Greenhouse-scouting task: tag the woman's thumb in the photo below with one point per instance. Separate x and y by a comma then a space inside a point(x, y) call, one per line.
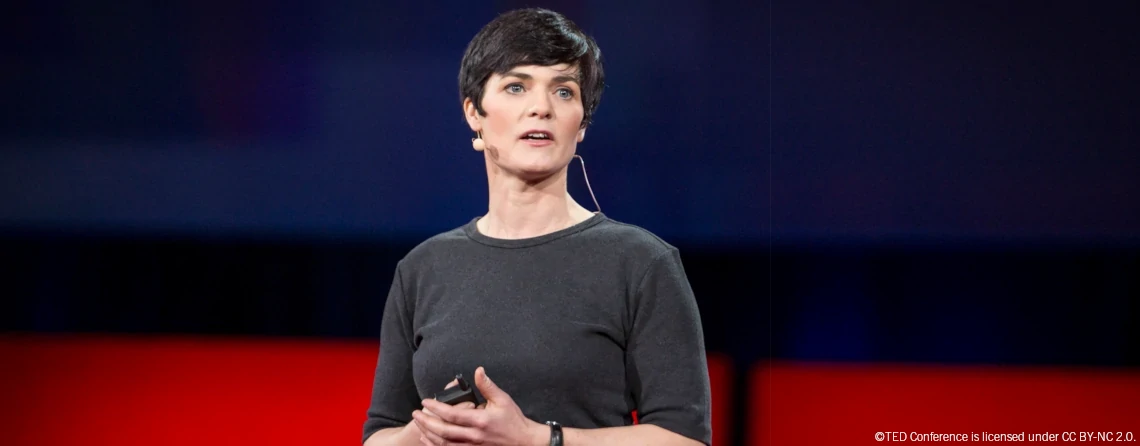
point(487, 387)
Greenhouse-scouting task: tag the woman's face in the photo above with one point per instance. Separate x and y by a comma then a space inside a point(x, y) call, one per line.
point(534, 118)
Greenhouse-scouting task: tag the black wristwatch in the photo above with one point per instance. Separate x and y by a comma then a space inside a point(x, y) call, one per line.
point(555, 433)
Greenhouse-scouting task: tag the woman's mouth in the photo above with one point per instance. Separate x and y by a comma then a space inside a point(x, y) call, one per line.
point(537, 138)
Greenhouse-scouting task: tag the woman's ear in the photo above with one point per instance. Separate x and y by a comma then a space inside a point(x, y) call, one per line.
point(472, 115)
point(581, 134)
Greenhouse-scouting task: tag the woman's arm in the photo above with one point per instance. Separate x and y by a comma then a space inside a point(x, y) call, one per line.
point(395, 436)
point(501, 425)
point(501, 422)
point(394, 394)
point(666, 352)
point(641, 434)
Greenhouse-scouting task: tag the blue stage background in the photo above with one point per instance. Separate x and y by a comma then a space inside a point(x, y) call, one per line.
point(721, 123)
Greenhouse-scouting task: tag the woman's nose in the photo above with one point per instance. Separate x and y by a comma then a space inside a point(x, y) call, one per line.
point(541, 108)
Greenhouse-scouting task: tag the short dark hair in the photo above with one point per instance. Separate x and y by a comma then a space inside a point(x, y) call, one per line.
point(532, 36)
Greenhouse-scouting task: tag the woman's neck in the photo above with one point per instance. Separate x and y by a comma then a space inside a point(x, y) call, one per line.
point(520, 209)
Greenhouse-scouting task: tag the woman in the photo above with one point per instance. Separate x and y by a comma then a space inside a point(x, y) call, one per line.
point(579, 319)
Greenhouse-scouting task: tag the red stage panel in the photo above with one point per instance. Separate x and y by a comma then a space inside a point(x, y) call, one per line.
point(126, 391)
point(104, 391)
point(720, 380)
point(817, 404)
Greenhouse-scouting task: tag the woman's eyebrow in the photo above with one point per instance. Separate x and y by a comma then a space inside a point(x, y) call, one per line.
point(557, 79)
point(566, 78)
point(523, 76)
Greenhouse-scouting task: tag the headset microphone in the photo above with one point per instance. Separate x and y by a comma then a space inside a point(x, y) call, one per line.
point(479, 145)
point(588, 182)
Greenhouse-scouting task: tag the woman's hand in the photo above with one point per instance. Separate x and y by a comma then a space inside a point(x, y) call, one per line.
point(499, 422)
point(412, 430)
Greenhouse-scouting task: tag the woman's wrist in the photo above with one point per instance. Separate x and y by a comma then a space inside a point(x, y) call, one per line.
point(409, 435)
point(395, 436)
point(540, 434)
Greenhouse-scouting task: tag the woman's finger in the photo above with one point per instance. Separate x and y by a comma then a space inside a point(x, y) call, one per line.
point(427, 425)
point(461, 414)
point(430, 438)
point(438, 430)
point(440, 433)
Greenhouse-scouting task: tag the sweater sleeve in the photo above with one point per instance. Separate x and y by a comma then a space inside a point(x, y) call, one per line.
point(394, 394)
point(666, 353)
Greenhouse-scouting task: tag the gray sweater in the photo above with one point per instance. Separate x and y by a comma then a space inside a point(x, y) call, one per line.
point(581, 326)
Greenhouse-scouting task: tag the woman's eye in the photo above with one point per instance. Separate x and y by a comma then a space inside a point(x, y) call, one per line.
point(565, 93)
point(515, 88)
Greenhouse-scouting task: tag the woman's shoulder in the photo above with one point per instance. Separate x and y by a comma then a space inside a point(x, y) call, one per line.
point(442, 242)
point(629, 237)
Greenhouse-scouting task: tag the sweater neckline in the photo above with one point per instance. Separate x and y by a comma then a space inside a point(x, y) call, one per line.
point(472, 232)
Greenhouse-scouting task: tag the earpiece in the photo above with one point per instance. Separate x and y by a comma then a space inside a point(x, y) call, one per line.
point(477, 143)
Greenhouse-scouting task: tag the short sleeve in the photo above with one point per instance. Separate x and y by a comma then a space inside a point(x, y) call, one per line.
point(666, 353)
point(394, 394)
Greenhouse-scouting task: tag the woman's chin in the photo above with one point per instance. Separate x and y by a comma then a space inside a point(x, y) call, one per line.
point(536, 171)
point(537, 168)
